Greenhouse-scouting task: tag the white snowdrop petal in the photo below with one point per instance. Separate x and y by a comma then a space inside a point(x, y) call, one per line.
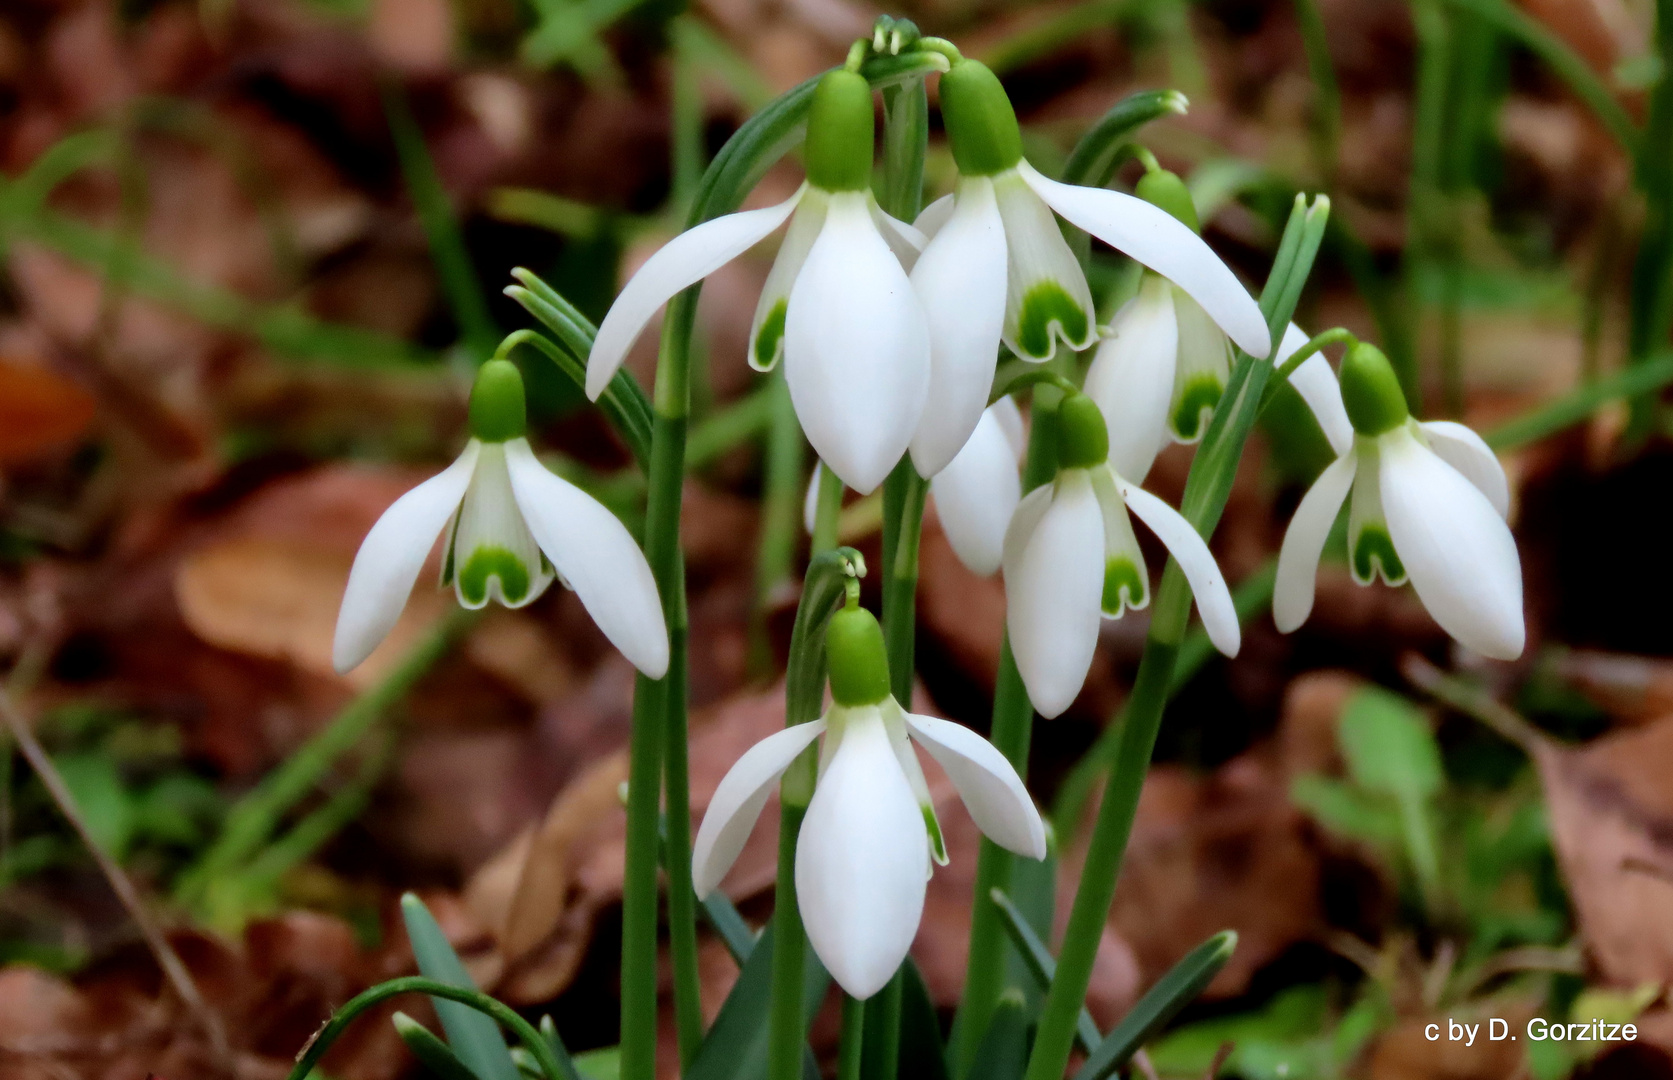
point(1464, 450)
point(1154, 237)
point(862, 862)
point(960, 280)
point(976, 495)
point(596, 555)
point(1214, 600)
point(390, 557)
point(1316, 383)
point(932, 217)
point(856, 348)
point(1047, 300)
point(1053, 594)
point(738, 801)
point(493, 555)
point(685, 260)
point(1457, 550)
point(904, 240)
point(1200, 376)
point(1132, 375)
point(987, 783)
point(1298, 558)
point(1005, 411)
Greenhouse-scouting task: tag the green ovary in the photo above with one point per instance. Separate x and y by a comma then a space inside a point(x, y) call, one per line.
point(1044, 304)
point(772, 332)
point(490, 562)
point(1195, 402)
point(1374, 551)
point(1124, 586)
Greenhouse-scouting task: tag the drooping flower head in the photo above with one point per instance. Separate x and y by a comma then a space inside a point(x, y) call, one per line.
point(837, 305)
point(1428, 503)
point(997, 267)
point(511, 527)
point(870, 833)
point(1071, 559)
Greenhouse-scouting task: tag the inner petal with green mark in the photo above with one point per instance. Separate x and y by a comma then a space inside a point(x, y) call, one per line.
point(765, 351)
point(491, 554)
point(1373, 556)
point(1124, 586)
point(503, 567)
point(1047, 308)
point(937, 845)
point(1194, 401)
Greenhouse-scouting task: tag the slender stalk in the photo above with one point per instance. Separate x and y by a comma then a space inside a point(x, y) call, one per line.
point(852, 1047)
point(1206, 490)
point(903, 519)
point(1424, 197)
point(1327, 97)
point(682, 900)
point(780, 514)
point(828, 513)
point(1011, 732)
point(784, 1034)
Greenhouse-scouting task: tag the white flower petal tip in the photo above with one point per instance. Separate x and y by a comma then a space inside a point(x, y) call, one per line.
point(1208, 585)
point(1458, 552)
point(862, 861)
point(1464, 450)
point(390, 558)
point(1154, 237)
point(977, 493)
point(596, 556)
point(738, 801)
point(857, 353)
point(1316, 383)
point(1132, 377)
point(987, 784)
point(960, 281)
point(1298, 558)
point(685, 260)
point(1054, 573)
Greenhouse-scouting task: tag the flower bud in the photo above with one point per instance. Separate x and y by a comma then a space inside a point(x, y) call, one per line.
point(841, 125)
point(1159, 187)
point(1082, 439)
point(981, 125)
point(858, 663)
point(497, 411)
point(1371, 391)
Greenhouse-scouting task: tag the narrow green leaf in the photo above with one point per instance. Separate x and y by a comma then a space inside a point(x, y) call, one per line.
point(735, 1048)
point(431, 1051)
point(475, 1038)
point(1003, 1050)
point(922, 1055)
point(1175, 990)
point(1388, 746)
point(1041, 964)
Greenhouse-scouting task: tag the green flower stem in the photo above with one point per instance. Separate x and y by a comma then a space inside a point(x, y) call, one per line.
point(1206, 491)
point(852, 1047)
point(1336, 336)
point(1011, 732)
point(903, 517)
point(784, 1036)
point(781, 515)
point(1327, 97)
point(828, 513)
point(552, 1066)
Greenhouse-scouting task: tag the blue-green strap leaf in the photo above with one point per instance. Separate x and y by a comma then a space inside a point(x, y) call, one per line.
point(473, 1037)
point(1175, 990)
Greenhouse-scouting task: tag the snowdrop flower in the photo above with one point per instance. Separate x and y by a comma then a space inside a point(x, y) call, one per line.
point(865, 847)
point(511, 527)
point(1428, 502)
point(837, 304)
point(1071, 558)
point(998, 268)
point(978, 491)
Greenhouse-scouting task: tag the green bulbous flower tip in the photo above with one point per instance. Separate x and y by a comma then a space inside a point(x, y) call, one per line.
point(841, 126)
point(1371, 390)
point(1082, 438)
point(497, 410)
point(981, 125)
point(856, 659)
point(1162, 188)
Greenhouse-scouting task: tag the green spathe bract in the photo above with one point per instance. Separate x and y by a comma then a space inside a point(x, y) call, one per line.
point(1082, 439)
point(981, 125)
point(1166, 190)
point(497, 411)
point(1044, 304)
point(1371, 390)
point(841, 126)
point(856, 658)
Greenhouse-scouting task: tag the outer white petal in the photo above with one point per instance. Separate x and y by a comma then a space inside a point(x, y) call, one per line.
point(596, 555)
point(933, 216)
point(1298, 558)
point(856, 348)
point(1024, 520)
point(1457, 550)
point(1214, 600)
point(976, 495)
point(688, 258)
point(960, 280)
point(1131, 377)
point(1464, 450)
point(770, 309)
point(810, 501)
point(1053, 594)
point(738, 801)
point(990, 787)
point(1316, 384)
point(1005, 411)
point(862, 862)
point(904, 240)
point(390, 557)
point(1162, 242)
